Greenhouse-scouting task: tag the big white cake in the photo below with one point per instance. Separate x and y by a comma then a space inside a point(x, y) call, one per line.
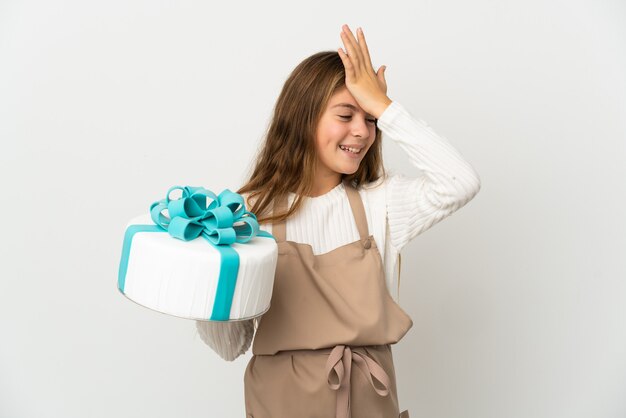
point(196, 277)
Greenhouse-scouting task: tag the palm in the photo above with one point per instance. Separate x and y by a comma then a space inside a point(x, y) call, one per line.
point(364, 84)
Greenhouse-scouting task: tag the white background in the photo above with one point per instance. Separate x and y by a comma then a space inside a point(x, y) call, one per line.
point(518, 299)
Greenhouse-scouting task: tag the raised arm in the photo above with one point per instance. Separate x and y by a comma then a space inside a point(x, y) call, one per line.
point(448, 181)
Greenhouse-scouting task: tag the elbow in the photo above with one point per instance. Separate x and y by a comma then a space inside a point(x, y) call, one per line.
point(475, 184)
point(467, 189)
point(471, 181)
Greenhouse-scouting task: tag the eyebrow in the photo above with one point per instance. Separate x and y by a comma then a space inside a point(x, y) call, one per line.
point(349, 106)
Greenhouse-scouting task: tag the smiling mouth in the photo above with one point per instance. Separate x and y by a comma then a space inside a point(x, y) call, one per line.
point(351, 150)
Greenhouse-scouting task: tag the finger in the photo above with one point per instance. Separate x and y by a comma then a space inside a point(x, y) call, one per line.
point(347, 64)
point(364, 49)
point(381, 77)
point(357, 47)
point(349, 49)
point(351, 45)
point(380, 72)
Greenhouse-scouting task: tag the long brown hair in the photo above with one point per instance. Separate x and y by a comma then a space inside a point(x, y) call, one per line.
point(286, 160)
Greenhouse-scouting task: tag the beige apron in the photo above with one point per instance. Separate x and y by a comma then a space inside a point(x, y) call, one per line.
point(327, 312)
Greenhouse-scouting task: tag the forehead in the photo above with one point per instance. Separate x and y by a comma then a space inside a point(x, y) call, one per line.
point(343, 96)
point(343, 100)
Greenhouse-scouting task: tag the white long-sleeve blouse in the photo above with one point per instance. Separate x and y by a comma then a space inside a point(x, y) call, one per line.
point(398, 208)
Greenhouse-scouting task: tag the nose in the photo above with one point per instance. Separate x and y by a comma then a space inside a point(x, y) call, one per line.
point(360, 128)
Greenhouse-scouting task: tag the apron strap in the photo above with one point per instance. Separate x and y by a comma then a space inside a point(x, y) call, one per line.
point(358, 210)
point(356, 204)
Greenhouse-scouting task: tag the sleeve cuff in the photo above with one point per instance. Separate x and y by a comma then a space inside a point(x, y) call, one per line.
point(389, 115)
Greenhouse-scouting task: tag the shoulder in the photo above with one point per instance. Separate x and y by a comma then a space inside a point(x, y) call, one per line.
point(378, 189)
point(386, 192)
point(380, 182)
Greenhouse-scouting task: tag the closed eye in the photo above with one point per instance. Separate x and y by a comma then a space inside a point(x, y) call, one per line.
point(348, 117)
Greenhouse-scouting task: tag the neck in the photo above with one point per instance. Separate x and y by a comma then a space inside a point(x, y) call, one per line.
point(325, 184)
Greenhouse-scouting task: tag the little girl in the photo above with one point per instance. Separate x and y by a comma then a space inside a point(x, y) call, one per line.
point(340, 222)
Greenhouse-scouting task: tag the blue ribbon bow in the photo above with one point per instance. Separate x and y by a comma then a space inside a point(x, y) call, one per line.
point(191, 216)
point(222, 221)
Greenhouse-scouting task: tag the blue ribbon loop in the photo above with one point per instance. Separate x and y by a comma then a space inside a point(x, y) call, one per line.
point(220, 219)
point(200, 212)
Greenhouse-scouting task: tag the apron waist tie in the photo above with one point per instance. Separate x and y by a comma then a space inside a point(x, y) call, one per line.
point(339, 363)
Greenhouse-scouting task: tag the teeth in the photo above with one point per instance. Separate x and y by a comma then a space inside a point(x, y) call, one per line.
point(353, 150)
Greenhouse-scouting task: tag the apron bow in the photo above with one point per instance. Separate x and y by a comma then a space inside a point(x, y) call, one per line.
point(339, 364)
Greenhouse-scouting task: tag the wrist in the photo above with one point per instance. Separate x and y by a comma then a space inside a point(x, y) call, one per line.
point(379, 107)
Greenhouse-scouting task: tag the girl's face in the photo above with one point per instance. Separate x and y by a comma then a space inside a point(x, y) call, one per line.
point(343, 124)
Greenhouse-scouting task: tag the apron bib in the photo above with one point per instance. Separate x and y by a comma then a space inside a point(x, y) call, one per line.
point(329, 315)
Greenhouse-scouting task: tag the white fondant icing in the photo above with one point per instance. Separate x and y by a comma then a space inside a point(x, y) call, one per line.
point(180, 277)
